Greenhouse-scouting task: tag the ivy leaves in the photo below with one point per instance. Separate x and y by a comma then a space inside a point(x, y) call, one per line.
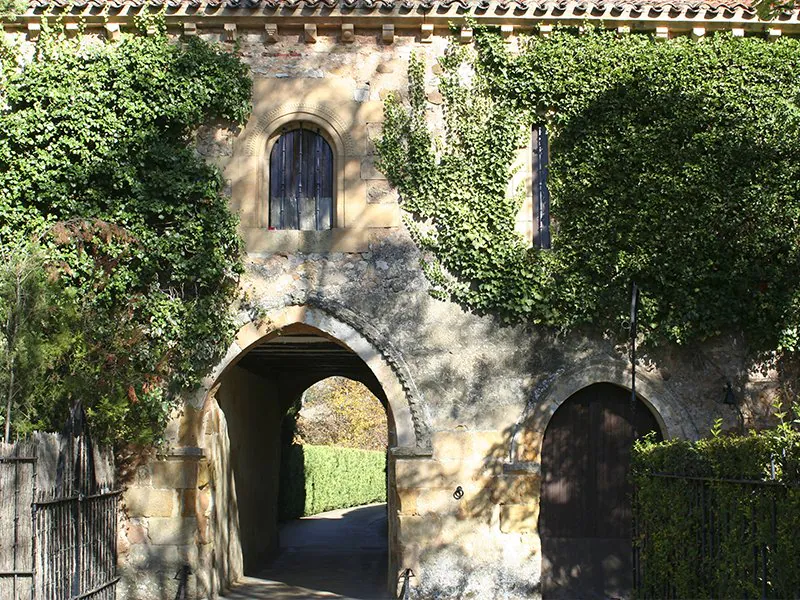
point(95, 151)
point(674, 164)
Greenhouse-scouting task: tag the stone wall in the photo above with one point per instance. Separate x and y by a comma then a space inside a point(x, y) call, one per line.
point(164, 524)
point(469, 397)
point(479, 393)
point(487, 393)
point(253, 414)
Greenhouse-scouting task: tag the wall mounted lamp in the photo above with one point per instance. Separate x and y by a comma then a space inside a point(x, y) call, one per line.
point(729, 397)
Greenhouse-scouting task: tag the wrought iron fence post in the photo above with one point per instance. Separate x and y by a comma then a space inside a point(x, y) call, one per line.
point(406, 589)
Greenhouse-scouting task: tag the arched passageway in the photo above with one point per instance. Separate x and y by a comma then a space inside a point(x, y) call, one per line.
point(585, 516)
point(254, 396)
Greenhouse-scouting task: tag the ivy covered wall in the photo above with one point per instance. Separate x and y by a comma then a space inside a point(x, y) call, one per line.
point(138, 253)
point(672, 163)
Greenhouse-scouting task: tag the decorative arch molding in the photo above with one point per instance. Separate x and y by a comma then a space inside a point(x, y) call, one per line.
point(354, 331)
point(326, 117)
point(672, 417)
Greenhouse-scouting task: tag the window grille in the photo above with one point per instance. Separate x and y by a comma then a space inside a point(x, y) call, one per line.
point(301, 181)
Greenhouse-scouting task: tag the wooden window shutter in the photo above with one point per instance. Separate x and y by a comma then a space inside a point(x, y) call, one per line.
point(301, 182)
point(541, 195)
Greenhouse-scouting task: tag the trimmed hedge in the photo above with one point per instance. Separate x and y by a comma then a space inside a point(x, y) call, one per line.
point(724, 522)
point(319, 478)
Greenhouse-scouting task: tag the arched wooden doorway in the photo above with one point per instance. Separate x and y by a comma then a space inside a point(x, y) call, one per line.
point(585, 516)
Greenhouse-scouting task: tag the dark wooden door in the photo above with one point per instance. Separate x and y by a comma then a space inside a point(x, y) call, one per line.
point(585, 516)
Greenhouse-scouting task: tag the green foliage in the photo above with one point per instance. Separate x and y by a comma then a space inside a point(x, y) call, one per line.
point(34, 333)
point(10, 9)
point(673, 164)
point(341, 412)
point(315, 479)
point(675, 515)
point(95, 151)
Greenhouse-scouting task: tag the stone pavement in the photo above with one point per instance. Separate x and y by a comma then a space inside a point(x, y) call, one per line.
point(339, 554)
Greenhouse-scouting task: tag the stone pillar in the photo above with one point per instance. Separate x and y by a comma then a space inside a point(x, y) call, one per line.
point(164, 525)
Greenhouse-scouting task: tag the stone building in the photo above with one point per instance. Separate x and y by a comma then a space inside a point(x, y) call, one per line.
point(339, 290)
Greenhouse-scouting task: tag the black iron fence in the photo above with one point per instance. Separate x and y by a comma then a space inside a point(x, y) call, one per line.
point(698, 537)
point(58, 517)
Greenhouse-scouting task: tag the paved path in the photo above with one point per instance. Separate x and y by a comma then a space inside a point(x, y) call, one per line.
point(339, 554)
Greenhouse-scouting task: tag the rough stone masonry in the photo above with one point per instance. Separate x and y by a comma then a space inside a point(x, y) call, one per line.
point(468, 399)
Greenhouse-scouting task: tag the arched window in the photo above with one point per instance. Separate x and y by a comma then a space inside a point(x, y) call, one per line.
point(301, 181)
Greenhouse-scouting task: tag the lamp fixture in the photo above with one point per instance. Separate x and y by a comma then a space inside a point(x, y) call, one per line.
point(729, 398)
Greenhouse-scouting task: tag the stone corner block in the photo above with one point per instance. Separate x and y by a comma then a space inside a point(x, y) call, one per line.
point(147, 502)
point(424, 529)
point(419, 473)
point(180, 473)
point(173, 531)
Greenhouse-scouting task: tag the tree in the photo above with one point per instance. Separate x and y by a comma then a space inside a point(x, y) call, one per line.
point(34, 326)
point(341, 412)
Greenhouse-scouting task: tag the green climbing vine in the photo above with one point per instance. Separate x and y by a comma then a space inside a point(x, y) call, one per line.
point(128, 301)
point(675, 164)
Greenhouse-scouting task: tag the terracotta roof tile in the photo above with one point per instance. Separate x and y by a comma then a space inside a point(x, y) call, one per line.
point(553, 8)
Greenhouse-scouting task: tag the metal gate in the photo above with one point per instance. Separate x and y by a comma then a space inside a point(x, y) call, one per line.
point(17, 490)
point(59, 535)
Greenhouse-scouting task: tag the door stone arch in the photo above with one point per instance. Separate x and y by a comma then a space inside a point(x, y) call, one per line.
point(673, 419)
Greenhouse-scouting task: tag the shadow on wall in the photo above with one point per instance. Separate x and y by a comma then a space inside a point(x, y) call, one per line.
point(486, 542)
point(462, 536)
point(152, 569)
point(247, 509)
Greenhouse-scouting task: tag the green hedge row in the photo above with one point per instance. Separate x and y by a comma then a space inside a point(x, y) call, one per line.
point(718, 518)
point(319, 478)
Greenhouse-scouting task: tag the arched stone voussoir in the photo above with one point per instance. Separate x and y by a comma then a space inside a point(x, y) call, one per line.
point(672, 417)
point(405, 403)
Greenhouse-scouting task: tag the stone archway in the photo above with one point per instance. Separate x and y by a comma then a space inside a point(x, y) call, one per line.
point(355, 332)
point(244, 431)
point(673, 419)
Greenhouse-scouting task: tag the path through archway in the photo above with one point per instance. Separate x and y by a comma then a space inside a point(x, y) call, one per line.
point(254, 396)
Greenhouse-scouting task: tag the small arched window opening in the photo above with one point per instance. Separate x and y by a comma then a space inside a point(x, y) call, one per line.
point(301, 181)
